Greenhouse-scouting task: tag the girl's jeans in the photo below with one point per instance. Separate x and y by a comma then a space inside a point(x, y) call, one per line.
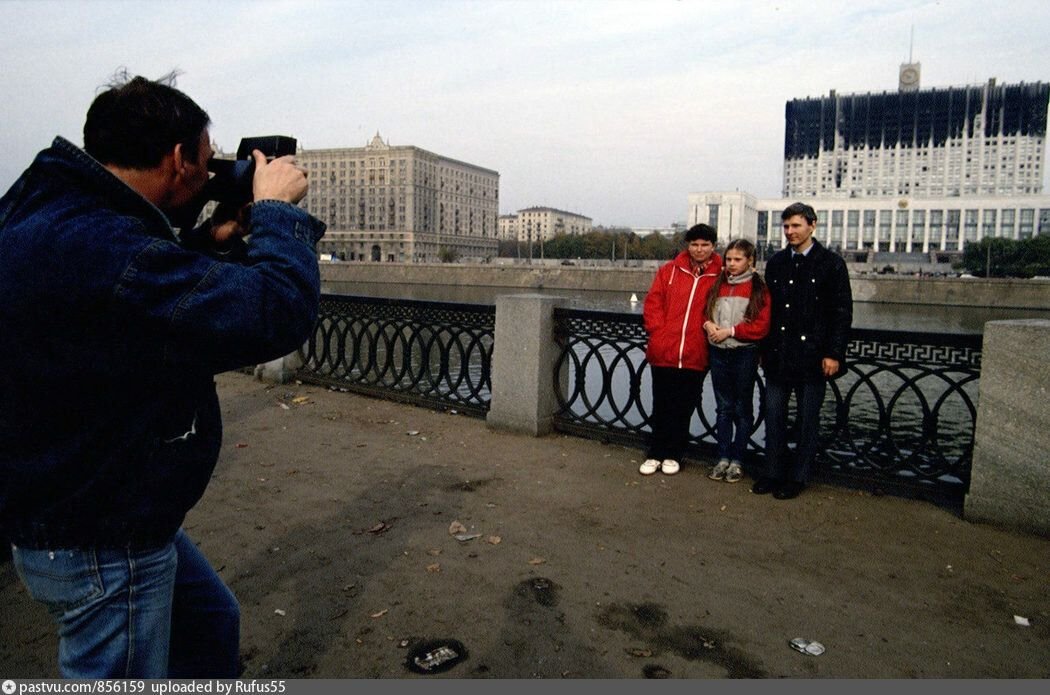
point(733, 379)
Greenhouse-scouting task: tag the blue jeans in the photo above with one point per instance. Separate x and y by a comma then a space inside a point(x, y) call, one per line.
point(733, 372)
point(809, 396)
point(158, 613)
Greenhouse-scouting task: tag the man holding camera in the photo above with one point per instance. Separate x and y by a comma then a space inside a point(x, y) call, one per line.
point(113, 330)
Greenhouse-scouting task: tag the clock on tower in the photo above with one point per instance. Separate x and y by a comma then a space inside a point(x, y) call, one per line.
point(909, 77)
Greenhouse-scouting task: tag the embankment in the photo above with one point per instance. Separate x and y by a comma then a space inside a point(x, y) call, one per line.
point(880, 289)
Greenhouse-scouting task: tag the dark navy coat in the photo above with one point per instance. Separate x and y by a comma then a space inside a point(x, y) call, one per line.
point(812, 311)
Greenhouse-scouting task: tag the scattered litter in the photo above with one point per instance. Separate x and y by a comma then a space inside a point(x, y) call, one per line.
point(453, 412)
point(242, 445)
point(805, 646)
point(284, 406)
point(537, 561)
point(412, 433)
point(436, 656)
point(464, 537)
point(436, 567)
point(380, 614)
point(1023, 622)
point(280, 612)
point(494, 540)
point(456, 527)
point(381, 527)
point(722, 508)
point(300, 400)
point(403, 643)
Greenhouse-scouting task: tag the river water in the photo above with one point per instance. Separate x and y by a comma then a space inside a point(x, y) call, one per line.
point(929, 318)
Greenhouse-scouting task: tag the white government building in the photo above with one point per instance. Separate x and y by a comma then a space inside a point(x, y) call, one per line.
point(912, 171)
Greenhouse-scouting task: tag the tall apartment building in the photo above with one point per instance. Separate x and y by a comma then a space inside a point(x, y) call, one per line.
point(984, 140)
point(536, 223)
point(401, 204)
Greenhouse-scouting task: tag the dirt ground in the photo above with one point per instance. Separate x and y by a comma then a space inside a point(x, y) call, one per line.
point(329, 516)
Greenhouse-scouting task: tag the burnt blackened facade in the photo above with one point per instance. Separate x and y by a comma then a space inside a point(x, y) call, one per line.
point(958, 141)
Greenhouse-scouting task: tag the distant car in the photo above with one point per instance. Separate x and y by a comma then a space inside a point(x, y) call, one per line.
point(567, 262)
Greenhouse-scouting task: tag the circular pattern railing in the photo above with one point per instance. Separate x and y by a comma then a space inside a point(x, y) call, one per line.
point(432, 353)
point(901, 419)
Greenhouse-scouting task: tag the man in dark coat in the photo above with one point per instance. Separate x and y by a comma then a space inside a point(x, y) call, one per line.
point(812, 311)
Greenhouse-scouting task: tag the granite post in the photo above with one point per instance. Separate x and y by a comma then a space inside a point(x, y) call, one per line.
point(524, 355)
point(1010, 478)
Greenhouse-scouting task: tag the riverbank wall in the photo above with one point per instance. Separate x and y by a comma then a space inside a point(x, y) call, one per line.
point(880, 289)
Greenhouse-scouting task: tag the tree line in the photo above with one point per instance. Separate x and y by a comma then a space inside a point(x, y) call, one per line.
point(611, 243)
point(1023, 258)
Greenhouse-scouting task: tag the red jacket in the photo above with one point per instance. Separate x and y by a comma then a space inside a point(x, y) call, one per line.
point(674, 314)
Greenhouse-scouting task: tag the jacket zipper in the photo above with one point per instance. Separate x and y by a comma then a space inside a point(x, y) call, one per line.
point(685, 319)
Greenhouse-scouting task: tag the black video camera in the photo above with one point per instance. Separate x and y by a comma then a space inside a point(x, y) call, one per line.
point(231, 181)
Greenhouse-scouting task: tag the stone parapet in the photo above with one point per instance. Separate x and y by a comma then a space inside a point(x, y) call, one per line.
point(1010, 478)
point(523, 398)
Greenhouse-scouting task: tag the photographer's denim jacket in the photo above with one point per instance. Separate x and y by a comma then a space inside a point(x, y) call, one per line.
point(111, 332)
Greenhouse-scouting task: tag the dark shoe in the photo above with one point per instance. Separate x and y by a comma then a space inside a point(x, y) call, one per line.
point(788, 490)
point(764, 486)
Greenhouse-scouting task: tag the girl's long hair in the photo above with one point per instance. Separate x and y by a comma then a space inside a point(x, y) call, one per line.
point(758, 285)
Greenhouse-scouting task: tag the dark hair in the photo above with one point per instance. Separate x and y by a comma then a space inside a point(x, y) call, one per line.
point(806, 211)
point(701, 231)
point(135, 122)
point(758, 285)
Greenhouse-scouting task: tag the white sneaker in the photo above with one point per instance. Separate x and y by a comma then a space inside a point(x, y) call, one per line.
point(734, 473)
point(719, 473)
point(669, 467)
point(649, 467)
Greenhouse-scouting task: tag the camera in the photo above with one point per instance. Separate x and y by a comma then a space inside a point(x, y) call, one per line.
point(232, 178)
point(231, 183)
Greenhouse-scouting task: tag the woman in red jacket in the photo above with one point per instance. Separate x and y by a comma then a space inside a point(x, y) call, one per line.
point(677, 349)
point(737, 313)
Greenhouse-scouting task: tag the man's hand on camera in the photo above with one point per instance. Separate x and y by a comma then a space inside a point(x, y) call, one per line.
point(281, 179)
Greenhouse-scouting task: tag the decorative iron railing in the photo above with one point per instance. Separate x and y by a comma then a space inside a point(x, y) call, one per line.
point(901, 419)
point(430, 353)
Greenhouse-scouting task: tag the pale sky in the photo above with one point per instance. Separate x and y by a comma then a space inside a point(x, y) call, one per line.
point(615, 110)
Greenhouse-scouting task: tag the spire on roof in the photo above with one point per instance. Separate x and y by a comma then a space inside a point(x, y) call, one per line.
point(377, 143)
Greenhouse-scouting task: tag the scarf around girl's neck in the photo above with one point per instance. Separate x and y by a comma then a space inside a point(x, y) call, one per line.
point(741, 278)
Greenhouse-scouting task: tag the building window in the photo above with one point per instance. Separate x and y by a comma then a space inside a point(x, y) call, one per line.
point(1044, 222)
point(988, 223)
point(970, 225)
point(1007, 228)
point(1027, 223)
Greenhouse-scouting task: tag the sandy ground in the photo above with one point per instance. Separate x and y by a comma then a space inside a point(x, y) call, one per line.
point(330, 521)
